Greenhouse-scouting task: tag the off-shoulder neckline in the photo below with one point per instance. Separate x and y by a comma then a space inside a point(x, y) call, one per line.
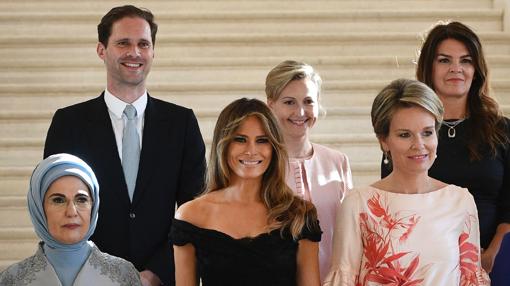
point(218, 232)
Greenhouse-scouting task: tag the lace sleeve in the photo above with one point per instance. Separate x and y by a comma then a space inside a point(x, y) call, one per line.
point(311, 230)
point(183, 233)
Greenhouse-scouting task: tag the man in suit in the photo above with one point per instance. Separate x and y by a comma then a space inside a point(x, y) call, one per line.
point(145, 162)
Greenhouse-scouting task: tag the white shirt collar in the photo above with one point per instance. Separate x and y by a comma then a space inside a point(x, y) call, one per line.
point(117, 106)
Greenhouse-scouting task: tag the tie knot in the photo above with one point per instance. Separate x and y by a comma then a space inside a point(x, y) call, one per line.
point(130, 111)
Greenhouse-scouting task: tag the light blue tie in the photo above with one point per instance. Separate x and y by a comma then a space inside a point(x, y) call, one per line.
point(130, 149)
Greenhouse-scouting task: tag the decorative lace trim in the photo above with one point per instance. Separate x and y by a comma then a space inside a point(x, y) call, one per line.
point(117, 269)
point(23, 273)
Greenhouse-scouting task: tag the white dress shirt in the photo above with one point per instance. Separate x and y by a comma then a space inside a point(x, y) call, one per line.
point(116, 109)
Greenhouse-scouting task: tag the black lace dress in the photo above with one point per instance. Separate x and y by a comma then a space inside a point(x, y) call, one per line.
point(267, 259)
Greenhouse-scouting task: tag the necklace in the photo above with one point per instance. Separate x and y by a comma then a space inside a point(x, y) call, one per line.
point(451, 126)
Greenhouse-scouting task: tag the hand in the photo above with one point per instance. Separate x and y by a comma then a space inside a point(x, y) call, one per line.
point(149, 278)
point(488, 257)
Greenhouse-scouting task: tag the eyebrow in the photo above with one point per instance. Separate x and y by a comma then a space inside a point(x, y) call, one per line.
point(62, 195)
point(132, 40)
point(448, 56)
point(246, 136)
point(57, 195)
point(426, 127)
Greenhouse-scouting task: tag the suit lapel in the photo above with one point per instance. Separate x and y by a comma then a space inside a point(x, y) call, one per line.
point(104, 146)
point(153, 124)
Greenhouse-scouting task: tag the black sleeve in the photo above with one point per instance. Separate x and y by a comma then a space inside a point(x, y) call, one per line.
point(59, 137)
point(160, 262)
point(183, 233)
point(191, 181)
point(504, 193)
point(312, 230)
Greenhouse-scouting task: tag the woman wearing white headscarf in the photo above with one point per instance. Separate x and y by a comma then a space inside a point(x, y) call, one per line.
point(63, 201)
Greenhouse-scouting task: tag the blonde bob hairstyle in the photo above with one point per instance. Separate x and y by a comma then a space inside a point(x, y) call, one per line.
point(280, 76)
point(285, 210)
point(403, 93)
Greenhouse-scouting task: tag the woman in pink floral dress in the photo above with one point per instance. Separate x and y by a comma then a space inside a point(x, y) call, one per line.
point(408, 228)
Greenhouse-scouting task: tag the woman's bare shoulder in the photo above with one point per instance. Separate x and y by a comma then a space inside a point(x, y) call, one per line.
point(197, 211)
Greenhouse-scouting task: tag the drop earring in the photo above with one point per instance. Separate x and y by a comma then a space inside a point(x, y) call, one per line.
point(385, 160)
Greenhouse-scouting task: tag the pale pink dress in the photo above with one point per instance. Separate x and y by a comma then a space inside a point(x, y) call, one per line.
point(385, 238)
point(323, 178)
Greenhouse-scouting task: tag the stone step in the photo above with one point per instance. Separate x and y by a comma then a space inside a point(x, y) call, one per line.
point(18, 101)
point(14, 217)
point(162, 75)
point(14, 183)
point(67, 24)
point(338, 121)
point(93, 73)
point(25, 152)
point(289, 45)
point(16, 243)
point(161, 6)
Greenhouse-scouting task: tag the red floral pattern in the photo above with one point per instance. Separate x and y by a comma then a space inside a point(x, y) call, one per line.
point(383, 262)
point(383, 231)
point(470, 272)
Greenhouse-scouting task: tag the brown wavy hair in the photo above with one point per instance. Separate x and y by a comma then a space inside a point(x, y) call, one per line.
point(285, 210)
point(488, 124)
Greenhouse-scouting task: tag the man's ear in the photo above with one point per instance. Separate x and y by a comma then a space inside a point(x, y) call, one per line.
point(101, 50)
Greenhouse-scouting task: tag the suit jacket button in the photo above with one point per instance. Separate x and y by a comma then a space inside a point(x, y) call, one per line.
point(132, 215)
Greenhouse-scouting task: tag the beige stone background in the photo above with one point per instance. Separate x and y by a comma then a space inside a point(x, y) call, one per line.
point(209, 53)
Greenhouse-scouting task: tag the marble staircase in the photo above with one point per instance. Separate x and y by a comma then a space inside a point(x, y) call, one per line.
point(209, 53)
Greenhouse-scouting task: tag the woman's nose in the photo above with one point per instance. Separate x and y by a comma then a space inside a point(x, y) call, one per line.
point(251, 148)
point(71, 209)
point(418, 142)
point(300, 110)
point(455, 67)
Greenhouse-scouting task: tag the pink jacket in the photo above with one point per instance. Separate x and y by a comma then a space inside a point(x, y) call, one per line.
point(328, 176)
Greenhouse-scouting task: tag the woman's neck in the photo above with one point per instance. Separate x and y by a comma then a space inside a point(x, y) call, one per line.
point(243, 190)
point(298, 147)
point(398, 182)
point(454, 107)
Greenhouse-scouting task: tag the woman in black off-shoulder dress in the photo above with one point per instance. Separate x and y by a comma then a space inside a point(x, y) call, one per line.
point(248, 228)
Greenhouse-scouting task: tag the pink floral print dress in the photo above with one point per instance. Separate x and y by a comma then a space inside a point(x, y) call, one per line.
point(385, 238)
